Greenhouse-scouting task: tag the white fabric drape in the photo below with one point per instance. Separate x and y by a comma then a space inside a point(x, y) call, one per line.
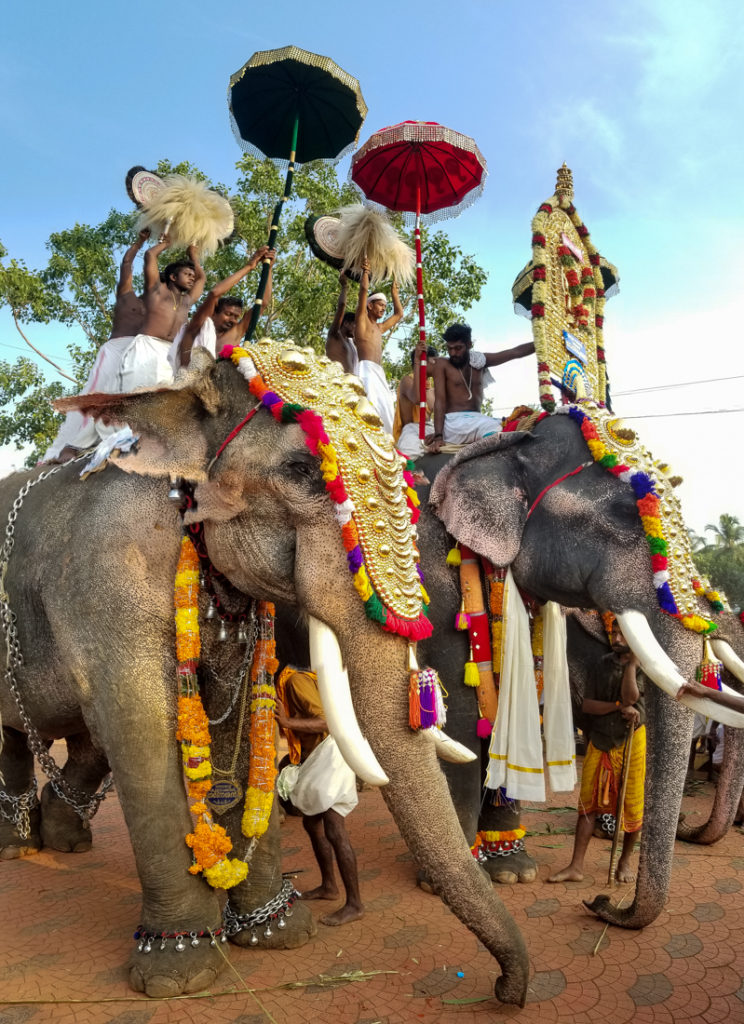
point(515, 754)
point(560, 747)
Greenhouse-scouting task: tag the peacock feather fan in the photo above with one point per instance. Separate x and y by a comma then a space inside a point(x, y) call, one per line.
point(366, 233)
point(190, 213)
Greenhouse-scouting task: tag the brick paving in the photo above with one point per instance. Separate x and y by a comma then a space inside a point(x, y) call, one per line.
point(68, 918)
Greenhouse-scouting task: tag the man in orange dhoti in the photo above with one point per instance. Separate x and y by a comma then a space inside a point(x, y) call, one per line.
point(614, 700)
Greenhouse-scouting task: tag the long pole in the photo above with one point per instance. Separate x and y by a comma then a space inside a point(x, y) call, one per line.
point(422, 319)
point(625, 771)
point(258, 304)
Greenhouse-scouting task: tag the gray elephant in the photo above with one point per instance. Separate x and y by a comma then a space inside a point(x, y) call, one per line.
point(583, 546)
point(89, 584)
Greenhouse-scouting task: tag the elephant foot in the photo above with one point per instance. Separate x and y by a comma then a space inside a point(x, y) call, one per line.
point(174, 972)
point(516, 867)
point(13, 845)
point(62, 828)
point(298, 929)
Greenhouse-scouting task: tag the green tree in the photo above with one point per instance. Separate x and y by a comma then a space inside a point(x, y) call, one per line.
point(728, 533)
point(725, 569)
point(77, 286)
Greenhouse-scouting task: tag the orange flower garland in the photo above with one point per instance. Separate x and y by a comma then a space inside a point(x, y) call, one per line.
point(259, 797)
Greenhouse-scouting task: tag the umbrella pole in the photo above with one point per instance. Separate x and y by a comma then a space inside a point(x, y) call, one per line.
point(422, 319)
point(258, 304)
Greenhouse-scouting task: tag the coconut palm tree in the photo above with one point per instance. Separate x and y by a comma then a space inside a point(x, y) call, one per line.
point(697, 543)
point(728, 533)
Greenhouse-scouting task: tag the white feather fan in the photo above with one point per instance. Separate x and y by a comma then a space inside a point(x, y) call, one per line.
point(364, 232)
point(190, 213)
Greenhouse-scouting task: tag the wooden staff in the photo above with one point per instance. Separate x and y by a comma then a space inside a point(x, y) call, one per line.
point(627, 750)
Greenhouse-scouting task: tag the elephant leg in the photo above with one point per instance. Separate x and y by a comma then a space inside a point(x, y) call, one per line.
point(503, 853)
point(146, 762)
point(62, 828)
point(669, 729)
point(728, 793)
point(19, 820)
point(293, 924)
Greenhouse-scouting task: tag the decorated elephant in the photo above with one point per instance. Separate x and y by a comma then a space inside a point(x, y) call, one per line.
point(88, 571)
point(571, 533)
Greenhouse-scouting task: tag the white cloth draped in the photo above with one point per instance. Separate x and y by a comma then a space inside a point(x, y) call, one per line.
point(144, 363)
point(81, 431)
point(206, 338)
point(560, 746)
point(459, 428)
point(323, 782)
point(375, 383)
point(515, 758)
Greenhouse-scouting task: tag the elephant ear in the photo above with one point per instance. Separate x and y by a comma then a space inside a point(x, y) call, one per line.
point(481, 498)
point(168, 419)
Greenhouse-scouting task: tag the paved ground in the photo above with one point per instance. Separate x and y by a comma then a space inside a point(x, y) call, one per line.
point(67, 922)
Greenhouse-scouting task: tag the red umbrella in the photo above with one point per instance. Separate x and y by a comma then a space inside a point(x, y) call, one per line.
point(427, 171)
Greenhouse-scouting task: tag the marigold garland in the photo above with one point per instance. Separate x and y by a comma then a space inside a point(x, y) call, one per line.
point(209, 842)
point(319, 444)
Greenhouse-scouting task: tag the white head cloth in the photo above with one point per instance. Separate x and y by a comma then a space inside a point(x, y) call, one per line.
point(376, 296)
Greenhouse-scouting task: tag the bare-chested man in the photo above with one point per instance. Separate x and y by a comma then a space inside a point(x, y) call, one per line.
point(408, 405)
point(79, 432)
point(368, 339)
point(458, 389)
point(340, 338)
point(220, 319)
point(168, 299)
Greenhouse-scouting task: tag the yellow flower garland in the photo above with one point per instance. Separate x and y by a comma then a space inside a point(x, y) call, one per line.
point(208, 841)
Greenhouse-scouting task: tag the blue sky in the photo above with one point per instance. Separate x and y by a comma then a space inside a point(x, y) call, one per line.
point(643, 101)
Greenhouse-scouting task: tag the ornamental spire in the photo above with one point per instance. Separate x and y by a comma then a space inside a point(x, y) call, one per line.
point(564, 183)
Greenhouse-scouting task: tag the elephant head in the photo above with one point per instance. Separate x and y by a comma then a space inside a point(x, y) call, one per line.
point(272, 529)
point(571, 533)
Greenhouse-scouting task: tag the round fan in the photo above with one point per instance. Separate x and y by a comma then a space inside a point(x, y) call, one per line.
point(142, 185)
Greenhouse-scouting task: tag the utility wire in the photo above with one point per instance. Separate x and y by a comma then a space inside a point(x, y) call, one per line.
point(680, 384)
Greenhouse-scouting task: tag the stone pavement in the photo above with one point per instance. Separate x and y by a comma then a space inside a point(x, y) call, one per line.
point(67, 920)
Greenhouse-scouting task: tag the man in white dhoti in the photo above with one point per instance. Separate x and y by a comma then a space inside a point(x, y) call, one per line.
point(168, 299)
point(79, 432)
point(368, 334)
point(220, 319)
point(340, 345)
point(322, 788)
point(458, 392)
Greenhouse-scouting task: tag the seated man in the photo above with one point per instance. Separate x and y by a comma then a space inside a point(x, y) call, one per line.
point(220, 320)
point(408, 405)
point(458, 390)
point(79, 432)
point(368, 339)
point(340, 338)
point(168, 299)
point(323, 789)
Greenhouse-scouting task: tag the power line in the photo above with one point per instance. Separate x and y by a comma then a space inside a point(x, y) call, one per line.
point(680, 384)
point(666, 415)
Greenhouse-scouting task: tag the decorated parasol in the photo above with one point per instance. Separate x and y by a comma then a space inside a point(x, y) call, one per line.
point(292, 107)
point(426, 172)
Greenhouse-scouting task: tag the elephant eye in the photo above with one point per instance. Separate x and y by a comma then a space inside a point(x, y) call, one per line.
point(303, 468)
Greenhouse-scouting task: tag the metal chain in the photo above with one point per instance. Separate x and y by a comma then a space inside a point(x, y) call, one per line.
point(20, 816)
point(241, 677)
point(81, 802)
point(277, 908)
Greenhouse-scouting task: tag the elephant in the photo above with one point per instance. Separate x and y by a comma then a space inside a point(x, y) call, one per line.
point(88, 607)
point(582, 546)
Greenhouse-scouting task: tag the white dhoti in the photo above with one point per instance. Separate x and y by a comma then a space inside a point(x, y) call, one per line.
point(324, 782)
point(144, 363)
point(206, 338)
point(79, 431)
point(459, 428)
point(375, 383)
point(558, 728)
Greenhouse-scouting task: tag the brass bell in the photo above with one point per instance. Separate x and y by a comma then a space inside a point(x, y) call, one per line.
point(242, 633)
point(211, 612)
point(175, 494)
point(223, 635)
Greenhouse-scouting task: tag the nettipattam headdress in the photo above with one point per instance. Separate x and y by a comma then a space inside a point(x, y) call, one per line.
point(363, 473)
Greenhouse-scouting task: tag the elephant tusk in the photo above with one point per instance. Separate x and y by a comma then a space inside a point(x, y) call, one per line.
point(725, 653)
point(659, 667)
point(335, 696)
point(448, 749)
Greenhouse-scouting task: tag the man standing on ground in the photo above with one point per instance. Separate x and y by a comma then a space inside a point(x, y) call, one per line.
point(458, 389)
point(340, 345)
point(168, 299)
point(79, 432)
point(323, 789)
point(368, 334)
point(614, 702)
point(220, 320)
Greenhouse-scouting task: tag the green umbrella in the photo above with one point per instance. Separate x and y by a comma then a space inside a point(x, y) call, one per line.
point(293, 106)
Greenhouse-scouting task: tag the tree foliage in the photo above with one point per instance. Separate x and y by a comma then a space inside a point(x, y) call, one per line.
point(77, 286)
point(723, 561)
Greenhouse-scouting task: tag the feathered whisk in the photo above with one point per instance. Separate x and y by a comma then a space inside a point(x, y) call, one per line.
point(366, 233)
point(190, 213)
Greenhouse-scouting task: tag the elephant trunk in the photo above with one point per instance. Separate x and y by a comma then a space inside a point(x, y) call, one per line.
point(728, 794)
